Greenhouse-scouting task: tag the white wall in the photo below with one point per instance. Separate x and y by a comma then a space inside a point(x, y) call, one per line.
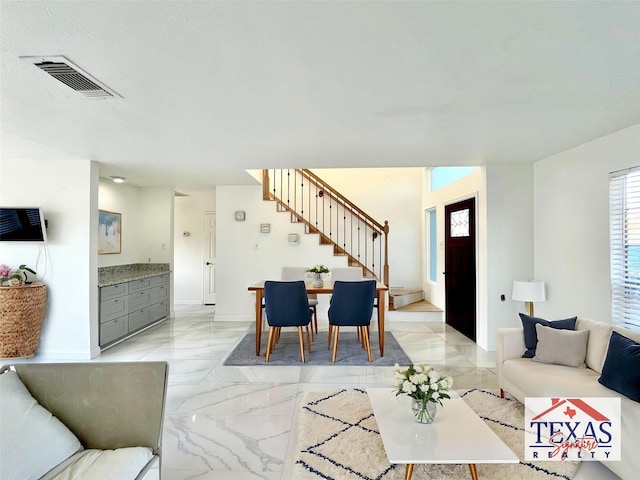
point(509, 246)
point(467, 187)
point(66, 190)
point(392, 194)
point(240, 263)
point(188, 251)
point(155, 225)
point(124, 199)
point(571, 195)
point(147, 223)
point(504, 233)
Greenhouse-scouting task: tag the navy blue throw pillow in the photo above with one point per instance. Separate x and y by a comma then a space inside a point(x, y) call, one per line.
point(621, 369)
point(530, 335)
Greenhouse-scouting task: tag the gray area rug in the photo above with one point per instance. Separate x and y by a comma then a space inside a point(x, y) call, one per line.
point(287, 352)
point(338, 438)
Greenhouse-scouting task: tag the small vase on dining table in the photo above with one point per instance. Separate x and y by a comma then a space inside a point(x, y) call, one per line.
point(317, 280)
point(423, 410)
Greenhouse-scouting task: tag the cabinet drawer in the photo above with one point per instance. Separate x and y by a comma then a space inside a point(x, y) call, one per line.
point(139, 319)
point(113, 291)
point(137, 285)
point(160, 279)
point(159, 310)
point(113, 330)
point(139, 299)
point(114, 308)
point(161, 292)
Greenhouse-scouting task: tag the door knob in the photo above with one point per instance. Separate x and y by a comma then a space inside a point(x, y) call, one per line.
point(208, 263)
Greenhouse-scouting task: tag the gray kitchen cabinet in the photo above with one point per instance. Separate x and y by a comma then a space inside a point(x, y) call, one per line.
point(128, 307)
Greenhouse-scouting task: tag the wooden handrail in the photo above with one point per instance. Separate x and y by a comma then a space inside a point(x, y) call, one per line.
point(338, 195)
point(281, 191)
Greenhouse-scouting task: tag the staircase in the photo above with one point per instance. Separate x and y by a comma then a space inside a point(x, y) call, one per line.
point(337, 221)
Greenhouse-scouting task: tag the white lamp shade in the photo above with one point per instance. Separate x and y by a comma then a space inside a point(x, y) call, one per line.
point(528, 291)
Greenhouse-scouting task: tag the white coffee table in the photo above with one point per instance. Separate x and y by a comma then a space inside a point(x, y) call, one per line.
point(458, 435)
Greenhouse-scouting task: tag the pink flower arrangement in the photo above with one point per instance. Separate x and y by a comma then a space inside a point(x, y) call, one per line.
point(14, 278)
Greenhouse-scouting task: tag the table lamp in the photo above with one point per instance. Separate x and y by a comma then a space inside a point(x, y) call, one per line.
point(528, 292)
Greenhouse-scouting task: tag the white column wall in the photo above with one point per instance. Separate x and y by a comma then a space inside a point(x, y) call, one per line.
point(66, 190)
point(509, 245)
point(571, 195)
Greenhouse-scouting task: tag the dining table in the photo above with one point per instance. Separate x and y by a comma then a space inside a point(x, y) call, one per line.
point(325, 289)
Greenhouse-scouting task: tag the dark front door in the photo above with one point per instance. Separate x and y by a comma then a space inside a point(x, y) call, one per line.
point(460, 267)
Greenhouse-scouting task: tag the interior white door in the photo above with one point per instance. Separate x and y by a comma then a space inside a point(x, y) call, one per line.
point(209, 249)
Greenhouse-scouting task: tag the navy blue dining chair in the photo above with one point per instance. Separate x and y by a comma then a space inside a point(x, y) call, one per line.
point(299, 273)
point(351, 306)
point(286, 305)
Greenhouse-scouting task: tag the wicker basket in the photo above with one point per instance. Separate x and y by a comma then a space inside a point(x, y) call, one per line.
point(21, 315)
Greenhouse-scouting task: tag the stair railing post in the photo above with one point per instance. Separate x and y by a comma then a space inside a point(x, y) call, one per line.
point(386, 252)
point(265, 184)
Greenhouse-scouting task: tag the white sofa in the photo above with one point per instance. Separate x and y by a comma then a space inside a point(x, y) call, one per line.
point(523, 377)
point(84, 421)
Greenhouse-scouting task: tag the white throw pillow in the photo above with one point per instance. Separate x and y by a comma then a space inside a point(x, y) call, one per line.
point(32, 441)
point(561, 347)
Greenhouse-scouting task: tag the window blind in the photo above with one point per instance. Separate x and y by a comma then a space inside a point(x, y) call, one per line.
point(624, 215)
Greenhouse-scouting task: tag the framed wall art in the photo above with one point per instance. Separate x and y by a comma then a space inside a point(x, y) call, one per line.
point(109, 232)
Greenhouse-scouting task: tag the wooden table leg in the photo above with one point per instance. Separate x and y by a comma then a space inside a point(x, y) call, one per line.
point(259, 296)
point(408, 472)
point(474, 472)
point(381, 297)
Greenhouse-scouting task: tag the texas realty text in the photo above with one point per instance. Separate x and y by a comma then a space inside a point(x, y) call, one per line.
point(572, 429)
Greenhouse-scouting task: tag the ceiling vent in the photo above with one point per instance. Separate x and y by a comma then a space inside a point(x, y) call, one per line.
point(71, 75)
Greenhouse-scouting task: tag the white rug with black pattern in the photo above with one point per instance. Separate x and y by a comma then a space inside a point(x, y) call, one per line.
point(338, 439)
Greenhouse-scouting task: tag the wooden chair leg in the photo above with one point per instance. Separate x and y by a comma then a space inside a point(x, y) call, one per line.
point(365, 336)
point(301, 344)
point(308, 338)
point(269, 344)
point(335, 344)
point(329, 337)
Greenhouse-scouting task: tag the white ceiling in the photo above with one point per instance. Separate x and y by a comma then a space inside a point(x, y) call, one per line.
point(213, 88)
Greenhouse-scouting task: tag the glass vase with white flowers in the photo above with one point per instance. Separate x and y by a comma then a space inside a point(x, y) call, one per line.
point(425, 386)
point(318, 271)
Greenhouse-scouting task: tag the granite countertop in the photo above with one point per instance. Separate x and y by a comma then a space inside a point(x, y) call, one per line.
point(133, 271)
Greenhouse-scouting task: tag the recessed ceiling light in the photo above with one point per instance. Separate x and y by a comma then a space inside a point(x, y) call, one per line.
point(118, 179)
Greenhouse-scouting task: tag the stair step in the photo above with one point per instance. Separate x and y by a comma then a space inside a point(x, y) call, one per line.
point(401, 297)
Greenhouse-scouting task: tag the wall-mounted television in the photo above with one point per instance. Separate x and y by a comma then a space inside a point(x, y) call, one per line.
point(22, 225)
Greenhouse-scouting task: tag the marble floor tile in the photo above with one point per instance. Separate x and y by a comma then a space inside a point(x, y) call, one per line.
point(240, 423)
point(226, 443)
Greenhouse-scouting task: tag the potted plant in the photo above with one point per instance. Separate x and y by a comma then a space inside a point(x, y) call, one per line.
point(14, 278)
